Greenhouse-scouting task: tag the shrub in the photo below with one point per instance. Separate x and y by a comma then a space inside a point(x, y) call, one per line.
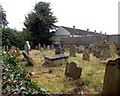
point(15, 80)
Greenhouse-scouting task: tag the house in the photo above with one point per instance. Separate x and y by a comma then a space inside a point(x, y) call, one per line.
point(62, 32)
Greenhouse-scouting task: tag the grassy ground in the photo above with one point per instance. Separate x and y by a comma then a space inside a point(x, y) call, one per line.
point(54, 80)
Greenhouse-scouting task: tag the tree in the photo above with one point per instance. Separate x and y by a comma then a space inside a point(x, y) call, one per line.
point(39, 22)
point(11, 37)
point(3, 21)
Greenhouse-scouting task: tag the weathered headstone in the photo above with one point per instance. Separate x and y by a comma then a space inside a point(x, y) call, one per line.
point(44, 47)
point(111, 84)
point(29, 60)
point(58, 50)
point(48, 47)
point(81, 48)
point(105, 52)
point(52, 47)
point(39, 46)
point(113, 49)
point(91, 48)
point(73, 70)
point(27, 47)
point(86, 55)
point(72, 51)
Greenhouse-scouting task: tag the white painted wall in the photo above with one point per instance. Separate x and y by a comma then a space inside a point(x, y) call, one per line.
point(62, 31)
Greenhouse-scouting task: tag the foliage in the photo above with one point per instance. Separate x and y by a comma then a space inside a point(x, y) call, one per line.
point(39, 22)
point(11, 37)
point(15, 80)
point(3, 21)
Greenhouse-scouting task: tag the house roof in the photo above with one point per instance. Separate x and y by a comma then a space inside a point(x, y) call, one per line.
point(74, 31)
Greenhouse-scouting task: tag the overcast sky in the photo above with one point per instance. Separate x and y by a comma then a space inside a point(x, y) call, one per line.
point(99, 15)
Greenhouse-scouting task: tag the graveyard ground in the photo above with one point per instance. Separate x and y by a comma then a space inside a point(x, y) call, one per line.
point(54, 80)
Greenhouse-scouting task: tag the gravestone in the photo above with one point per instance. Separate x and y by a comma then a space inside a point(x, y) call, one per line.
point(48, 47)
point(72, 51)
point(111, 84)
point(58, 49)
point(44, 47)
point(27, 47)
point(86, 55)
point(113, 49)
point(52, 46)
point(29, 60)
point(81, 48)
point(39, 46)
point(97, 52)
point(36, 47)
point(91, 48)
point(105, 50)
point(73, 70)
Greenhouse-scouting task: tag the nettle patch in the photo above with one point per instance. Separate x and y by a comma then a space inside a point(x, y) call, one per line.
point(15, 80)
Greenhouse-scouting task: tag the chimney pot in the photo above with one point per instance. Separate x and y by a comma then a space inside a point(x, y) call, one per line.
point(87, 29)
point(74, 26)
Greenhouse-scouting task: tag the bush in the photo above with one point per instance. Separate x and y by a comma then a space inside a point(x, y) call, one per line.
point(15, 80)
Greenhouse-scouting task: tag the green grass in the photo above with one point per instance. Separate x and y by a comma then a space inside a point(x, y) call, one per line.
point(54, 80)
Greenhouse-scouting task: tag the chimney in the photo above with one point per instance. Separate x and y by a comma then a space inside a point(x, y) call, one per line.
point(100, 32)
point(105, 33)
point(87, 29)
point(94, 30)
point(74, 27)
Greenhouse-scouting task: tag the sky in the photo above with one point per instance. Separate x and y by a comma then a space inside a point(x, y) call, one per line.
point(99, 15)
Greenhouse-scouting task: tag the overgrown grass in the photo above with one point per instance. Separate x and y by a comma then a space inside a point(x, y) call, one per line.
point(54, 80)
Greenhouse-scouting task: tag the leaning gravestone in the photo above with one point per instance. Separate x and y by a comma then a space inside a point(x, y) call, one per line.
point(111, 84)
point(29, 60)
point(73, 70)
point(81, 48)
point(105, 50)
point(72, 51)
point(86, 55)
point(113, 49)
point(27, 47)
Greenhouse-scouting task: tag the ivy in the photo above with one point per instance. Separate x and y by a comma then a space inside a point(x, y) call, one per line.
point(15, 80)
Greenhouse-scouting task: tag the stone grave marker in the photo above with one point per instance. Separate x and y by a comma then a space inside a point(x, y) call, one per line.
point(27, 47)
point(72, 51)
point(48, 47)
point(81, 48)
point(44, 47)
point(29, 60)
point(73, 70)
point(105, 50)
point(86, 55)
point(58, 50)
point(39, 46)
point(111, 85)
point(52, 46)
point(113, 49)
point(91, 48)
